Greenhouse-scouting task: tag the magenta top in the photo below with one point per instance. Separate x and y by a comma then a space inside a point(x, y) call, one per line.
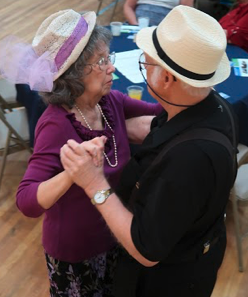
point(73, 229)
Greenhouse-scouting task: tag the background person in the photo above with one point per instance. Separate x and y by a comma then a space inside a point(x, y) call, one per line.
point(155, 10)
point(72, 64)
point(34, 105)
point(169, 216)
point(235, 24)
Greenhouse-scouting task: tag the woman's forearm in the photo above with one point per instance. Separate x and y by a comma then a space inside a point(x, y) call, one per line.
point(51, 190)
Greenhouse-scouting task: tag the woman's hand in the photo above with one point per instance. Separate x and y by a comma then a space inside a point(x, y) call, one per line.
point(84, 162)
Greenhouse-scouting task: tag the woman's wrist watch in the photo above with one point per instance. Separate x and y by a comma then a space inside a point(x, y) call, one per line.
point(101, 196)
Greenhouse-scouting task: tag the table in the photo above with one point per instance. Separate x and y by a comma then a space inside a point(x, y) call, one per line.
point(235, 86)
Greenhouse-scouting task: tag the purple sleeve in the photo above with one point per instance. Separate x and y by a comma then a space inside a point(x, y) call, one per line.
point(43, 164)
point(134, 108)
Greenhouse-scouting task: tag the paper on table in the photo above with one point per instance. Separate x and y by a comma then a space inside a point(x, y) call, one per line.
point(114, 76)
point(127, 64)
point(223, 95)
point(240, 67)
point(130, 27)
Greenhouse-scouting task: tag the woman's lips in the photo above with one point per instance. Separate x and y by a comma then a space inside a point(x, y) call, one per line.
point(109, 82)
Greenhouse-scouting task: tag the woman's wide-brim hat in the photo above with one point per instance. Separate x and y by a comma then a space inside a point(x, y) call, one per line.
point(64, 36)
point(58, 43)
point(190, 45)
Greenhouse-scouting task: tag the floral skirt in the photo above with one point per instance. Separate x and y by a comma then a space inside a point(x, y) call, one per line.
point(89, 278)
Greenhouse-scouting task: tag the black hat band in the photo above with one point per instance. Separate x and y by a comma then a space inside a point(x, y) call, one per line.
point(162, 55)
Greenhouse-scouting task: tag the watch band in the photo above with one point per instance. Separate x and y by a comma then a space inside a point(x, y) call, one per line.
point(101, 196)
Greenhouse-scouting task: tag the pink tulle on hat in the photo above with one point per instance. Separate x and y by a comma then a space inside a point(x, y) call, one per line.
point(58, 43)
point(21, 65)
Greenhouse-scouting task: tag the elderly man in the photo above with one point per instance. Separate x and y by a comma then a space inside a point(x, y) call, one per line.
point(168, 209)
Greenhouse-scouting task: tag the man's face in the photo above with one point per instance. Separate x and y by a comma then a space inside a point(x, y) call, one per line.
point(154, 73)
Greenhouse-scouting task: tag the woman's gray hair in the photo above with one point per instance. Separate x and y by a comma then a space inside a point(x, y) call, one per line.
point(68, 87)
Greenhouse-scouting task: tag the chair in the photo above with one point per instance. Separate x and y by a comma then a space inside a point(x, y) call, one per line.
point(239, 192)
point(14, 135)
point(113, 3)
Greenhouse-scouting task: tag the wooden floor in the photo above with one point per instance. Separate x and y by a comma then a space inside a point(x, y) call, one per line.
point(23, 17)
point(22, 265)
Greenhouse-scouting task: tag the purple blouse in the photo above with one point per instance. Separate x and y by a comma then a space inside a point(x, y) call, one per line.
point(73, 229)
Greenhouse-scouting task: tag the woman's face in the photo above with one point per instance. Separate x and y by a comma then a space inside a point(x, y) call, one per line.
point(99, 80)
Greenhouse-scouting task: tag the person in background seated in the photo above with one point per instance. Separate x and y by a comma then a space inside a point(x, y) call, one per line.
point(155, 10)
point(168, 210)
point(71, 66)
point(235, 25)
point(34, 105)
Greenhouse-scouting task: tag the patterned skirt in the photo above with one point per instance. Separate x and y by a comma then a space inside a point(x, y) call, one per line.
point(89, 278)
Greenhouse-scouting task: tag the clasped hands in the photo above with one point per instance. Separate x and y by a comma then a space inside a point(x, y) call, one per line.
point(84, 162)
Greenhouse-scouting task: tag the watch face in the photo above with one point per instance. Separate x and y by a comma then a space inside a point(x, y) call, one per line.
point(99, 197)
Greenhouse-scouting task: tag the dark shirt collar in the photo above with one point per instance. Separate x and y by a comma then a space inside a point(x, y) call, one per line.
point(162, 131)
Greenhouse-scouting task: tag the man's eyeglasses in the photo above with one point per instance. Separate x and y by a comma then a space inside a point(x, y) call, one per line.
point(142, 62)
point(143, 65)
point(103, 62)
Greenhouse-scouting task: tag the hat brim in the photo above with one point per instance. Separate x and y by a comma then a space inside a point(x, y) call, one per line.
point(90, 18)
point(144, 42)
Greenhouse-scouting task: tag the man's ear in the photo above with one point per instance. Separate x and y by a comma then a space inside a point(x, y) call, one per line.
point(167, 79)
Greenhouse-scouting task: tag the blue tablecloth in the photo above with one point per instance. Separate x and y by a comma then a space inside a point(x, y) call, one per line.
point(235, 86)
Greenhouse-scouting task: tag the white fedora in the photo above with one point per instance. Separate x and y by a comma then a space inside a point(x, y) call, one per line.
point(64, 35)
point(189, 44)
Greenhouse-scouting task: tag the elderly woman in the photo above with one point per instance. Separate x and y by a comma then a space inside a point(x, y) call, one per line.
point(168, 210)
point(76, 73)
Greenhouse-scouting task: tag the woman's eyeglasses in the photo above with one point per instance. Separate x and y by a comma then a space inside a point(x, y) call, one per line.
point(103, 62)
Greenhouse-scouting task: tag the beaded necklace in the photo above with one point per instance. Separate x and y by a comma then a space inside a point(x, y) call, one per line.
point(107, 123)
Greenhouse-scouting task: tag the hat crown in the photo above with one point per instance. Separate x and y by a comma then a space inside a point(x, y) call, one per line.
point(54, 30)
point(63, 36)
point(192, 39)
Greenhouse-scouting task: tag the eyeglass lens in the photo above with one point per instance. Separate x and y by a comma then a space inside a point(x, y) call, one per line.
point(104, 61)
point(111, 58)
point(142, 62)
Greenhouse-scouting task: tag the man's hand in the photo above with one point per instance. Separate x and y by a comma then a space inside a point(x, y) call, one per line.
point(84, 162)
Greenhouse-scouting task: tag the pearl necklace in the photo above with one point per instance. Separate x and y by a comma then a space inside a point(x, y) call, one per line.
point(107, 123)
